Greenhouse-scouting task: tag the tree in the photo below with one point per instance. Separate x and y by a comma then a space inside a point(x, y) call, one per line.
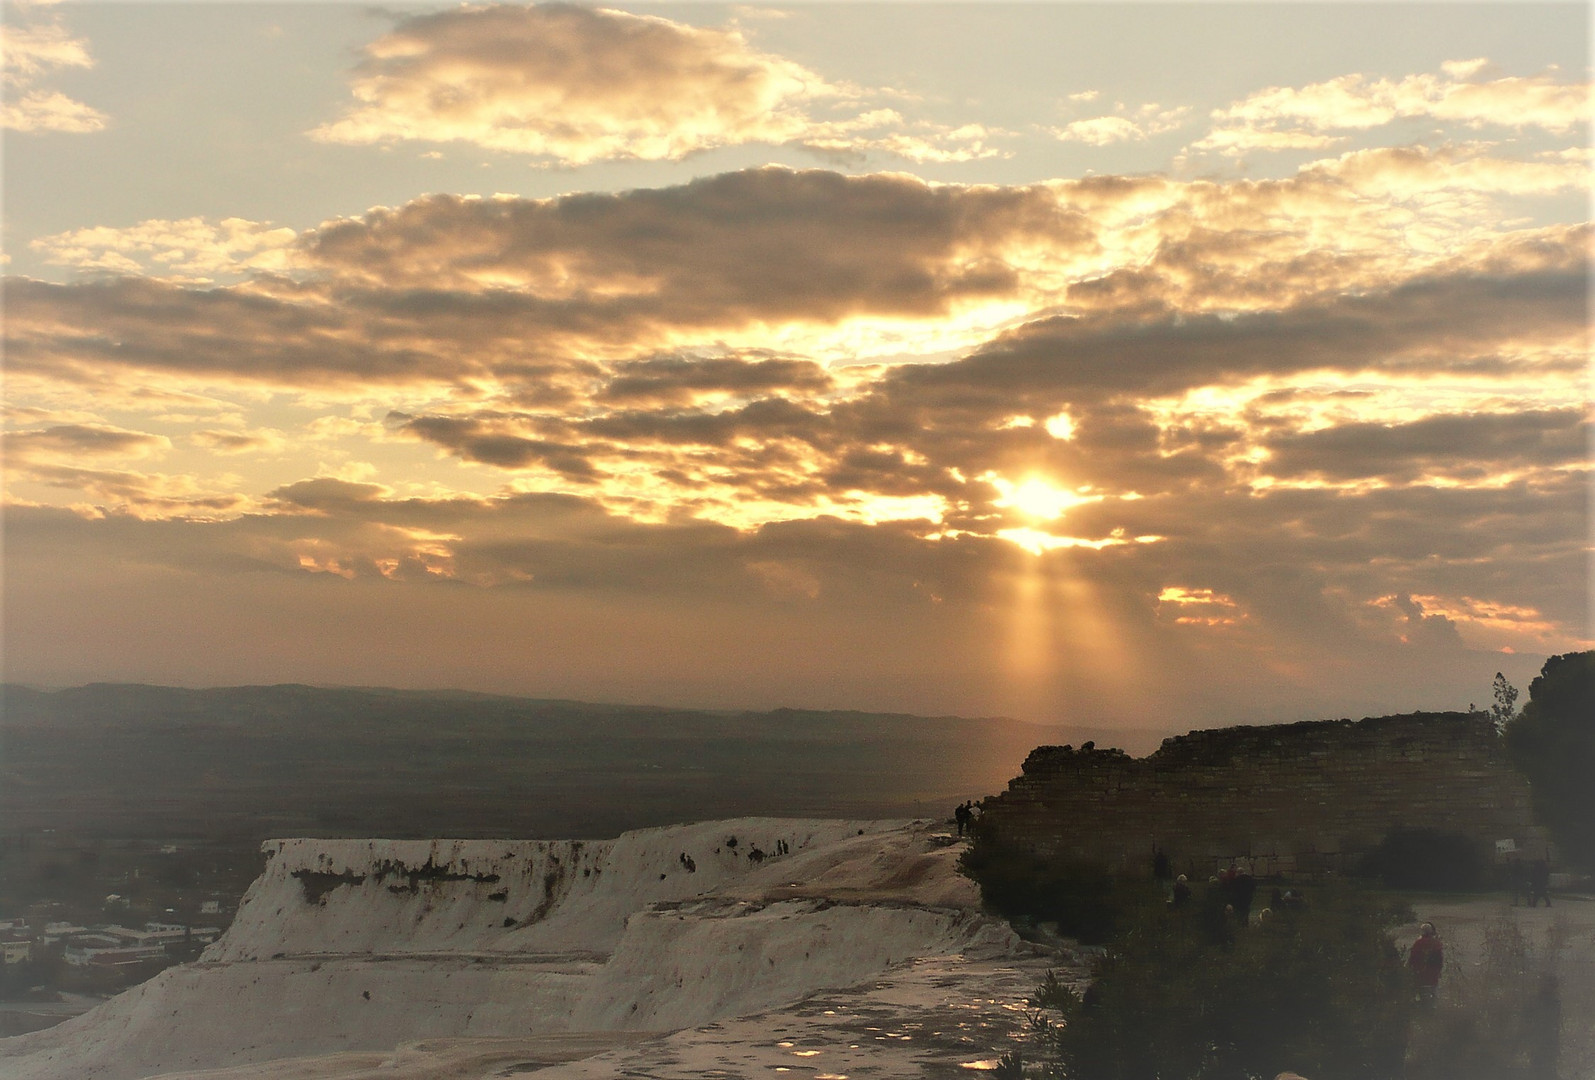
point(1552, 742)
point(1083, 898)
point(1505, 707)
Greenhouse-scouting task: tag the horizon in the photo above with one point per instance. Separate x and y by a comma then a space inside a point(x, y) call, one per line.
point(645, 706)
point(1042, 361)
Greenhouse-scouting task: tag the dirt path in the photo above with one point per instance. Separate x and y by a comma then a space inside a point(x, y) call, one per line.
point(1490, 943)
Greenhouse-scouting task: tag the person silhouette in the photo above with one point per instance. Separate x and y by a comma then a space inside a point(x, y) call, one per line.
point(1427, 960)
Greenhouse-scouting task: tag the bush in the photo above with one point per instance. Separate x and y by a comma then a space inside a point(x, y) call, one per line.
point(1429, 859)
point(1320, 991)
point(1086, 901)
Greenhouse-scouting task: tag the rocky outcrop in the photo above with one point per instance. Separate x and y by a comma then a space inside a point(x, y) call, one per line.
point(1290, 796)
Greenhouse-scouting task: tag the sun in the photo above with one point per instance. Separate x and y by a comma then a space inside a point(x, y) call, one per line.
point(1036, 498)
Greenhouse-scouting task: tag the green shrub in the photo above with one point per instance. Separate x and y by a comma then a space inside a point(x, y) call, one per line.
point(1320, 991)
point(1429, 859)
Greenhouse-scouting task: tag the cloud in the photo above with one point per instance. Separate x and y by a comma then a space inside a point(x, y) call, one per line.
point(1461, 448)
point(1294, 582)
point(1232, 388)
point(227, 443)
point(1146, 398)
point(1399, 173)
point(327, 493)
point(449, 289)
point(1425, 324)
point(83, 440)
point(158, 496)
point(192, 250)
point(687, 380)
point(767, 244)
point(1141, 124)
point(84, 458)
point(810, 264)
point(576, 85)
point(1223, 363)
point(80, 330)
point(1293, 117)
point(493, 440)
point(1101, 130)
point(33, 45)
point(1238, 140)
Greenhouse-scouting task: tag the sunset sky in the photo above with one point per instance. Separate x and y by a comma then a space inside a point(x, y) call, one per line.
point(1156, 365)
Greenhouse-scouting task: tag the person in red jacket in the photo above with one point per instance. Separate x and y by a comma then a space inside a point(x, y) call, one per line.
point(1426, 960)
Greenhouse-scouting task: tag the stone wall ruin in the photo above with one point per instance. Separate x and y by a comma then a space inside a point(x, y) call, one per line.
point(1287, 797)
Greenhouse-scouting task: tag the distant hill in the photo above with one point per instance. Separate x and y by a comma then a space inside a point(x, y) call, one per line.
point(239, 764)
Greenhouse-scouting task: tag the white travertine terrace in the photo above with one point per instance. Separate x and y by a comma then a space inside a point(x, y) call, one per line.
point(350, 946)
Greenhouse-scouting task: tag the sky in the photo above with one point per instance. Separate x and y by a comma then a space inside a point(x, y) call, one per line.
point(1155, 365)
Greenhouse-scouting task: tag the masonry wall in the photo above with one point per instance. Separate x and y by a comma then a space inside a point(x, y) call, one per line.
point(1292, 797)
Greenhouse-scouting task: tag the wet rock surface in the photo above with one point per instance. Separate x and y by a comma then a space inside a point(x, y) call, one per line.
point(934, 1017)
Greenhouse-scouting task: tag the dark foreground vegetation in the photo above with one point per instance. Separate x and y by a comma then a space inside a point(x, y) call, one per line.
point(1188, 992)
point(1552, 741)
point(1187, 989)
point(1322, 990)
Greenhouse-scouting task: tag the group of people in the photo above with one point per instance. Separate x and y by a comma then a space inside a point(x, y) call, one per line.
point(1235, 886)
point(964, 817)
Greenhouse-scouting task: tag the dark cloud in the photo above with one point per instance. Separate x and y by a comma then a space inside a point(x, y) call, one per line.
point(680, 380)
point(88, 440)
point(326, 493)
point(1439, 323)
point(476, 439)
point(82, 329)
point(542, 293)
point(235, 442)
point(770, 244)
point(448, 288)
point(1470, 447)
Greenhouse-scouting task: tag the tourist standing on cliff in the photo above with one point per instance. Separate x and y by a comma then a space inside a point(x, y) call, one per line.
point(1426, 960)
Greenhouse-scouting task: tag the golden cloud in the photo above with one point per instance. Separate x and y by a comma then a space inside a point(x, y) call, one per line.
point(1138, 125)
point(191, 250)
point(1293, 117)
point(31, 47)
point(576, 85)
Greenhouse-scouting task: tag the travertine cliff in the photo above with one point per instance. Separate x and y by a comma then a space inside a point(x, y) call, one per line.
point(349, 946)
